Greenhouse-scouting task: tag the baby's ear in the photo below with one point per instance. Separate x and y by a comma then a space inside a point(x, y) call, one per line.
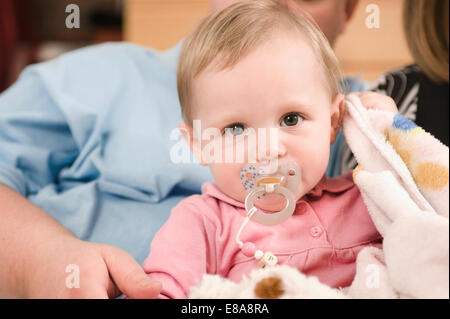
point(194, 143)
point(337, 114)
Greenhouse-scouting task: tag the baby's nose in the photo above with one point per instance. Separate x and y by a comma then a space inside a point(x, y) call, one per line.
point(271, 149)
point(272, 153)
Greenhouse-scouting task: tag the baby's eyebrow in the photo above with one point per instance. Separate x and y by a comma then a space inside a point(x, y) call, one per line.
point(225, 121)
point(292, 105)
point(281, 108)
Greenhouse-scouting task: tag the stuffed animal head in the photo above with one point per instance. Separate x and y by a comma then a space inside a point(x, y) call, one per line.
point(276, 282)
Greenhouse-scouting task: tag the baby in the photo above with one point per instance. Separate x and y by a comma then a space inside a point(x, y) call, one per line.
point(252, 68)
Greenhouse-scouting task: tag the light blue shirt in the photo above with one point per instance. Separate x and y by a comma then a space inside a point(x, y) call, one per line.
point(87, 137)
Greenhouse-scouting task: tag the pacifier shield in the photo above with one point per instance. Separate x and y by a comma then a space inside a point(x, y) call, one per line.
point(272, 192)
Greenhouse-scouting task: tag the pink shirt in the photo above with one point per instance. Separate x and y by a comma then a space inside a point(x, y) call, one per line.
point(330, 225)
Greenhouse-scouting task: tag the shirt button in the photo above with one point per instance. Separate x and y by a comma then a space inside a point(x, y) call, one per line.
point(316, 231)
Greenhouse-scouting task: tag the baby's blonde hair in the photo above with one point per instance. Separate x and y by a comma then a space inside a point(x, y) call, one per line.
point(426, 27)
point(232, 33)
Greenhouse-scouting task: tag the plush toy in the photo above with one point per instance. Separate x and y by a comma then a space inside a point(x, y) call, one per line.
point(273, 282)
point(403, 176)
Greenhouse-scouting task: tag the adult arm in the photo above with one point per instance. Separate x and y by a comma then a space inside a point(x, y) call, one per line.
point(36, 143)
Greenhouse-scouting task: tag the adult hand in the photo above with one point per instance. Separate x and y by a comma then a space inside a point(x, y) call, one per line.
point(377, 101)
point(98, 271)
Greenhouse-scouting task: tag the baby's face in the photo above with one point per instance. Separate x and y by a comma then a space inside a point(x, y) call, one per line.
point(280, 86)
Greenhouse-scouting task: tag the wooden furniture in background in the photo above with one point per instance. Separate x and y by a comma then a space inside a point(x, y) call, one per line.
point(160, 24)
point(370, 52)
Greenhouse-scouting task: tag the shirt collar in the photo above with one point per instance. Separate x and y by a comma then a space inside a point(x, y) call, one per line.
point(332, 185)
point(329, 185)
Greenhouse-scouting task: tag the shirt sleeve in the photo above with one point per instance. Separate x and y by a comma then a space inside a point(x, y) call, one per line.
point(182, 251)
point(35, 139)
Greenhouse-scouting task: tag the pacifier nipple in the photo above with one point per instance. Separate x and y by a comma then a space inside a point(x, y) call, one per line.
point(271, 181)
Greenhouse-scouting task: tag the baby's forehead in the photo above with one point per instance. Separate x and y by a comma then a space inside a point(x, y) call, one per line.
point(227, 58)
point(225, 40)
point(282, 60)
point(256, 86)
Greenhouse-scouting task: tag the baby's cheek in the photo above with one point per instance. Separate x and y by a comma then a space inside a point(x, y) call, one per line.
point(313, 161)
point(226, 177)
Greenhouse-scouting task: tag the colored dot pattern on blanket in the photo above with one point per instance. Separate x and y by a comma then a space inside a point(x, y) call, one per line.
point(406, 157)
point(431, 176)
point(402, 123)
point(403, 135)
point(399, 140)
point(356, 171)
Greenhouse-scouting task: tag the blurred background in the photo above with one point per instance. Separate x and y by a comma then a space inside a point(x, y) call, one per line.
point(32, 31)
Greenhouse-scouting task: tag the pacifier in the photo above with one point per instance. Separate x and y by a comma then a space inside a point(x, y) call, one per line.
point(259, 181)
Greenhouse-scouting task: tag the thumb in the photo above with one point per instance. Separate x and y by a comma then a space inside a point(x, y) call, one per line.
point(129, 276)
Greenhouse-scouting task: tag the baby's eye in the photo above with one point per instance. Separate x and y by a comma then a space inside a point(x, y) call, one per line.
point(291, 119)
point(235, 129)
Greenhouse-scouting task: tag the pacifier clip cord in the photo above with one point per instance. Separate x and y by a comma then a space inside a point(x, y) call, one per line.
point(249, 248)
point(284, 180)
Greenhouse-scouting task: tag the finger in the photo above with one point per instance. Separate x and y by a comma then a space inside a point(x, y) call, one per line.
point(128, 275)
point(112, 290)
point(94, 293)
point(88, 292)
